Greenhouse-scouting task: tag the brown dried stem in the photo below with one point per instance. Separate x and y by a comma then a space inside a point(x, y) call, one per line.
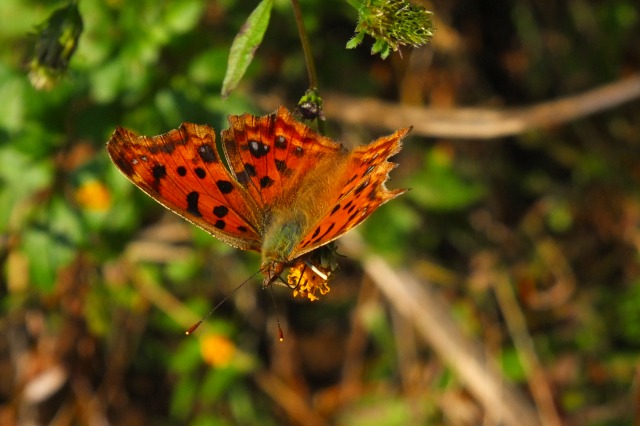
point(481, 123)
point(430, 313)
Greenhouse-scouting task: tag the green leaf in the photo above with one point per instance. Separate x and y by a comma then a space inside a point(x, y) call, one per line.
point(355, 41)
point(245, 44)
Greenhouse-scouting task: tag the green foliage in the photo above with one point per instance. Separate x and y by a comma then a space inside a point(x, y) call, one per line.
point(512, 366)
point(245, 44)
point(439, 185)
point(627, 318)
point(376, 411)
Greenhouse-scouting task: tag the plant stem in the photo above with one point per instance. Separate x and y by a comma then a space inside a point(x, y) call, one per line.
point(306, 47)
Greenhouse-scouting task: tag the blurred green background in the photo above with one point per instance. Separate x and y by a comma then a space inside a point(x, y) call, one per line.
point(99, 282)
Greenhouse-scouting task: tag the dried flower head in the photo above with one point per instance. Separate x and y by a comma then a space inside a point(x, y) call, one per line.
point(307, 282)
point(310, 105)
point(310, 278)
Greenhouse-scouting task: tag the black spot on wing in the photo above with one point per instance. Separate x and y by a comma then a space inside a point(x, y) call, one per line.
point(258, 149)
point(281, 142)
point(220, 224)
point(242, 178)
point(199, 171)
point(360, 188)
point(224, 186)
point(281, 166)
point(250, 169)
point(192, 203)
point(265, 182)
point(315, 233)
point(207, 154)
point(158, 171)
point(325, 233)
point(182, 171)
point(124, 165)
point(220, 211)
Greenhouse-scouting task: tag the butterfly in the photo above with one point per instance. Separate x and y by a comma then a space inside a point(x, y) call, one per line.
point(277, 187)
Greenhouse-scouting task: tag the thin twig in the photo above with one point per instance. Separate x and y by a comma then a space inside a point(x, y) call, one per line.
point(306, 45)
point(288, 399)
point(308, 58)
point(481, 123)
point(522, 340)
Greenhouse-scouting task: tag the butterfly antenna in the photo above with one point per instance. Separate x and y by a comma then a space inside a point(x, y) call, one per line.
point(224, 299)
point(275, 308)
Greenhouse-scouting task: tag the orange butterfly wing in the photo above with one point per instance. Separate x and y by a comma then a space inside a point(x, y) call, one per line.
point(183, 171)
point(271, 155)
point(363, 190)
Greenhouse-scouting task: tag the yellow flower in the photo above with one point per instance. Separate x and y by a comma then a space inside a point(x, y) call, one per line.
point(308, 281)
point(93, 195)
point(217, 350)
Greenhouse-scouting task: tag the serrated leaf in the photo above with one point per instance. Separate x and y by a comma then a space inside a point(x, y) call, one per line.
point(245, 45)
point(355, 41)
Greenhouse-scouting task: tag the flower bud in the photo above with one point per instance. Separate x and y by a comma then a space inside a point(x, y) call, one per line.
point(57, 39)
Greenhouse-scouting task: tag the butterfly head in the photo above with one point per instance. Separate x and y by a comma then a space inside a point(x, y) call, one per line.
point(271, 270)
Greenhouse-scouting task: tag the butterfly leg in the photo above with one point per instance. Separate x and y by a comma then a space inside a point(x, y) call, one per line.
point(294, 282)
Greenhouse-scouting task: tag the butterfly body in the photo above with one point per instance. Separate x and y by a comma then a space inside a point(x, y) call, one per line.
point(278, 188)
